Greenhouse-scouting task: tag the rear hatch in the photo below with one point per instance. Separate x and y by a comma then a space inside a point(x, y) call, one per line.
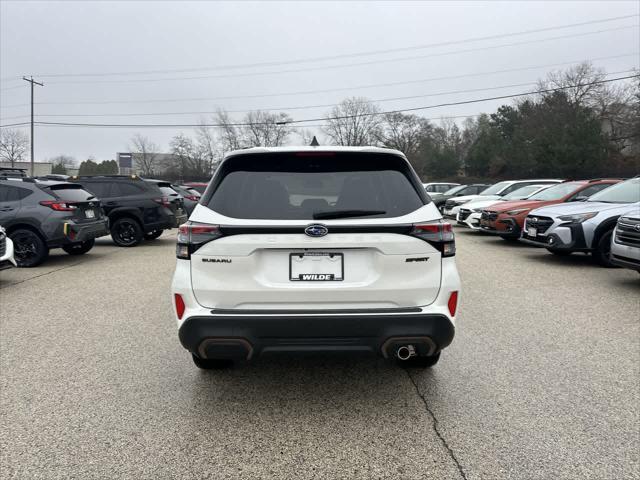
point(175, 200)
point(81, 206)
point(291, 231)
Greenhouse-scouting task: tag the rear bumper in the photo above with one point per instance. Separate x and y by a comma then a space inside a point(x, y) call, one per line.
point(245, 336)
point(72, 232)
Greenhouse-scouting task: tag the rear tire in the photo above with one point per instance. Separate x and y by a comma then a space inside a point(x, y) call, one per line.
point(79, 248)
point(126, 232)
point(421, 362)
point(211, 363)
point(602, 253)
point(560, 253)
point(30, 250)
point(153, 235)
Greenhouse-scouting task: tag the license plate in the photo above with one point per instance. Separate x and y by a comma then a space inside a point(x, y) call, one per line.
point(316, 267)
point(90, 214)
point(532, 232)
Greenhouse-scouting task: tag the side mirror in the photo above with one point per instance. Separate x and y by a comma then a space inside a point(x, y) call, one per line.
point(580, 199)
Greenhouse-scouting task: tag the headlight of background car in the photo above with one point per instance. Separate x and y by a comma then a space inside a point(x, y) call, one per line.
point(517, 211)
point(578, 217)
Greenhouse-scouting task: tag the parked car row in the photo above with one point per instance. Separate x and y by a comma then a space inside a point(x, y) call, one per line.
point(600, 217)
point(42, 213)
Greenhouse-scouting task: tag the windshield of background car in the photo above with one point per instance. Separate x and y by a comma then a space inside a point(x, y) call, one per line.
point(625, 192)
point(556, 192)
point(291, 186)
point(454, 190)
point(521, 193)
point(495, 189)
point(71, 193)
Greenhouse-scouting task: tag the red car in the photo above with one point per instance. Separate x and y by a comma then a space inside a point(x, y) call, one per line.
point(507, 218)
point(197, 186)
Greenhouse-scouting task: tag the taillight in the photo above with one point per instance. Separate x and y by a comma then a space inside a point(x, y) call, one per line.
point(192, 235)
point(164, 201)
point(58, 206)
point(439, 234)
point(453, 303)
point(180, 307)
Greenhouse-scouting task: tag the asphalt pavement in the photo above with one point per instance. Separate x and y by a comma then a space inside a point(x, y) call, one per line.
point(541, 382)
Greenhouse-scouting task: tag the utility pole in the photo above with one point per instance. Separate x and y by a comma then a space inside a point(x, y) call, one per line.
point(32, 82)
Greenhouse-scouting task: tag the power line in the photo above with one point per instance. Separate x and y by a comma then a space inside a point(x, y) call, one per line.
point(340, 117)
point(466, 102)
point(355, 87)
point(328, 67)
point(339, 56)
point(303, 107)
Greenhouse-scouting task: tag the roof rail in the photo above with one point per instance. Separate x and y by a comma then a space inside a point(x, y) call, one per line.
point(607, 178)
point(108, 175)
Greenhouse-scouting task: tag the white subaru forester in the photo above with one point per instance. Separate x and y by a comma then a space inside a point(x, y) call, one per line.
point(315, 249)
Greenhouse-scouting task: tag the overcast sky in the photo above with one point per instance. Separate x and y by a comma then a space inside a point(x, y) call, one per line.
point(75, 48)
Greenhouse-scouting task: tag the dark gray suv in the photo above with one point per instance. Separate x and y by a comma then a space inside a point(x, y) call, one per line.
point(42, 214)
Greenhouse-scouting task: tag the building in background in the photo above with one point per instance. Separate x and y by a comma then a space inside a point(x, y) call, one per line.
point(39, 168)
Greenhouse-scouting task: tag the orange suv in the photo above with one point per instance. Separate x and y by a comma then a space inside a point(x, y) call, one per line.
point(507, 218)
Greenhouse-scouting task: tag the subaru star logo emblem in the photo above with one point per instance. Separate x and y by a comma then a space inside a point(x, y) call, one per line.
point(534, 220)
point(637, 227)
point(316, 230)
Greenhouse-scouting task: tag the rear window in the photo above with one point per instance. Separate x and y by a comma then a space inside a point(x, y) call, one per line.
point(71, 192)
point(168, 191)
point(279, 186)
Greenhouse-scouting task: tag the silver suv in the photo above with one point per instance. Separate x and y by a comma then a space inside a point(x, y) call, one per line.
point(625, 243)
point(583, 226)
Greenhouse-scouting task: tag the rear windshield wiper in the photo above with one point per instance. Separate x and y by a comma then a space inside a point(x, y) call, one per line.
point(346, 214)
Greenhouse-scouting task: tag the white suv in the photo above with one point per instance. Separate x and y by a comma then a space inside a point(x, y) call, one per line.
point(315, 249)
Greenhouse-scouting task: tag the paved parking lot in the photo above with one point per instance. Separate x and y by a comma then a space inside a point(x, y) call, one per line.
point(541, 382)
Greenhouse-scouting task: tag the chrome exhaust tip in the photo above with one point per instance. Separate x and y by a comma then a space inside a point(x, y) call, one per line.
point(405, 352)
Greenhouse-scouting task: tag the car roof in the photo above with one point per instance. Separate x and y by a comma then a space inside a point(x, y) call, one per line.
point(329, 148)
point(105, 177)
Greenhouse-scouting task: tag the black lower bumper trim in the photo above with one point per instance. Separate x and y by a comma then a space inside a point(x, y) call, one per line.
point(5, 264)
point(313, 333)
point(625, 262)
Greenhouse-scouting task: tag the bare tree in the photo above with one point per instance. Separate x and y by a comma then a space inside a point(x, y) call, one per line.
point(183, 149)
point(13, 145)
point(62, 163)
point(208, 146)
point(145, 154)
point(578, 82)
point(612, 103)
point(230, 134)
point(306, 136)
point(266, 129)
point(355, 121)
point(404, 132)
point(66, 161)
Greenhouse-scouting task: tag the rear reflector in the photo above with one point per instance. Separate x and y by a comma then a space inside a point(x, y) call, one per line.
point(180, 307)
point(453, 303)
